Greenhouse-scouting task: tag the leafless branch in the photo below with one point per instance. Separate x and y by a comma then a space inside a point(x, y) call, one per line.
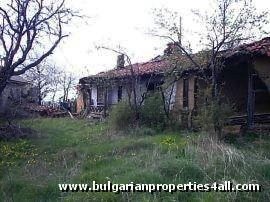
point(26, 25)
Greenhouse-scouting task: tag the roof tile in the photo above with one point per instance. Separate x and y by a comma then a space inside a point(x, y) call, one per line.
point(261, 47)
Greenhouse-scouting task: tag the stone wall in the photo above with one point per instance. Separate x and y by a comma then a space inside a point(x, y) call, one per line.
point(15, 95)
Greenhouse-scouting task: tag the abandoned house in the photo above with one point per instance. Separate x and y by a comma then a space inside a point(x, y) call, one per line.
point(17, 91)
point(245, 81)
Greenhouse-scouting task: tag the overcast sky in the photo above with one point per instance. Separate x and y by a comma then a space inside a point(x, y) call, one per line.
point(120, 22)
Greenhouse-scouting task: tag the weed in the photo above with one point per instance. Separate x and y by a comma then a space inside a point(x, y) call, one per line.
point(76, 151)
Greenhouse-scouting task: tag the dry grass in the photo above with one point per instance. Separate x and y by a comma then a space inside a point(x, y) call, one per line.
point(79, 152)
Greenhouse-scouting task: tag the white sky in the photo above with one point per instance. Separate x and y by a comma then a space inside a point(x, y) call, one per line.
point(124, 22)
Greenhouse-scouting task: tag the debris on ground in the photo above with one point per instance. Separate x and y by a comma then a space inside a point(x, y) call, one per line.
point(46, 111)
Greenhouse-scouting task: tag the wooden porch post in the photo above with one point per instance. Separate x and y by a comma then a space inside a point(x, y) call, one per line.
point(105, 101)
point(250, 99)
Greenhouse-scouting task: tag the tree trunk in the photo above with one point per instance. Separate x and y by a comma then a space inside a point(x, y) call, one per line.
point(2, 87)
point(39, 100)
point(3, 82)
point(39, 93)
point(214, 83)
point(134, 85)
point(216, 103)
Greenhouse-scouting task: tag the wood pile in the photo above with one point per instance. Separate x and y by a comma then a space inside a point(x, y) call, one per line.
point(45, 111)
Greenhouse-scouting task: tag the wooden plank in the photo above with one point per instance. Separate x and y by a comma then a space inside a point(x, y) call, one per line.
point(178, 104)
point(242, 120)
point(191, 95)
point(250, 99)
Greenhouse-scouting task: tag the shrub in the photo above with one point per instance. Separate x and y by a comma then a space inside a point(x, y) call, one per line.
point(152, 111)
point(121, 116)
point(151, 116)
point(213, 114)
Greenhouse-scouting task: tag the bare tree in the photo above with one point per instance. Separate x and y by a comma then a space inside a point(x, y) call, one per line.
point(134, 80)
point(55, 83)
point(25, 27)
point(132, 85)
point(45, 78)
point(231, 23)
point(67, 83)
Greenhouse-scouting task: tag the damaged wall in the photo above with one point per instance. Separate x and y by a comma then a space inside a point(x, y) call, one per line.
point(15, 94)
point(179, 94)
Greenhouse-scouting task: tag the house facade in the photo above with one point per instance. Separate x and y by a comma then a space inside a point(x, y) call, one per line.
point(245, 81)
point(109, 88)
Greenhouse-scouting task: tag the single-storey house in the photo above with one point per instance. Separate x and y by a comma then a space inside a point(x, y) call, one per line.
point(245, 81)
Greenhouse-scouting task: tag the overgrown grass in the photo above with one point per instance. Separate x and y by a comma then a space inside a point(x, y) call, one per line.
point(72, 151)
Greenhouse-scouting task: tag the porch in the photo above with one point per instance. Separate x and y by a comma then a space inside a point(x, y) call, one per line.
point(100, 101)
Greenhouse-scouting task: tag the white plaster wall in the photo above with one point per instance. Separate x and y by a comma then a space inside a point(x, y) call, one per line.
point(140, 89)
point(171, 89)
point(94, 95)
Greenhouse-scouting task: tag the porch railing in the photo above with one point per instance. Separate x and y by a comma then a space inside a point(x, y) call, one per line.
point(242, 120)
point(97, 109)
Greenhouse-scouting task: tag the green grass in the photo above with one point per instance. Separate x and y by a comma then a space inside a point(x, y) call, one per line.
point(76, 151)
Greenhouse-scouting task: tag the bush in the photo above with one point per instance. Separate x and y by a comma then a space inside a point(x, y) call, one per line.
point(151, 115)
point(121, 116)
point(152, 112)
point(213, 114)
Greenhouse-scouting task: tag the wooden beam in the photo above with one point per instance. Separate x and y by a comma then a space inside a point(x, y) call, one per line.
point(105, 101)
point(250, 98)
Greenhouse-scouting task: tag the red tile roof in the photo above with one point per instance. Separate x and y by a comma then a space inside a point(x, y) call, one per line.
point(261, 47)
point(155, 66)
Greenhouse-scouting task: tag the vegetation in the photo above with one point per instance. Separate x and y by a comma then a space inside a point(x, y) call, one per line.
point(152, 111)
point(227, 25)
point(121, 116)
point(212, 116)
point(150, 114)
point(76, 151)
point(25, 25)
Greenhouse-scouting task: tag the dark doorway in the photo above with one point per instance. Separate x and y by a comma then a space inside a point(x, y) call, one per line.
point(185, 92)
point(120, 93)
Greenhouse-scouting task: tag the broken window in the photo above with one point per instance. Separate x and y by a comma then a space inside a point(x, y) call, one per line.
point(185, 92)
point(100, 95)
point(120, 93)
